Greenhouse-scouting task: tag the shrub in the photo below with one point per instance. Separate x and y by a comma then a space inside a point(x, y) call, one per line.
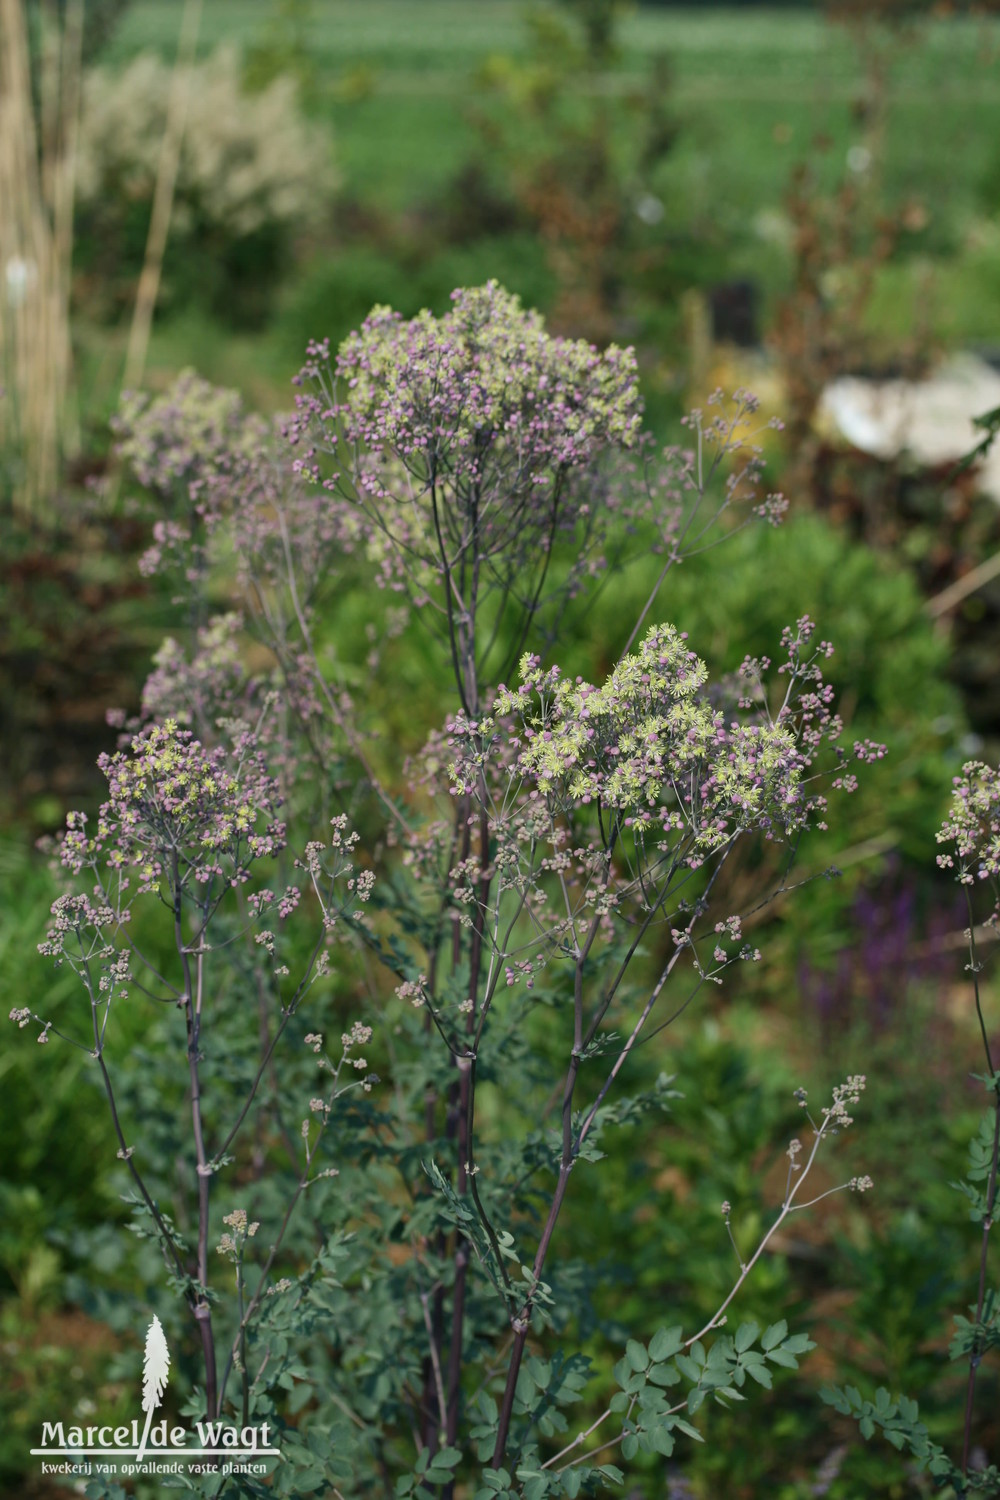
point(497, 929)
point(253, 176)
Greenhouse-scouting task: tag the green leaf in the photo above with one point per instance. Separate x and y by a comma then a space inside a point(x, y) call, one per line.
point(310, 1479)
point(866, 1427)
point(652, 1401)
point(721, 1357)
point(783, 1358)
point(630, 1446)
point(692, 1432)
point(572, 1480)
point(688, 1368)
point(799, 1343)
point(487, 1407)
point(774, 1335)
point(746, 1335)
point(636, 1355)
point(663, 1440)
point(665, 1342)
point(497, 1481)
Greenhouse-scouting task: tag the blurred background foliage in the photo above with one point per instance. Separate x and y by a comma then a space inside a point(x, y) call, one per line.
point(769, 196)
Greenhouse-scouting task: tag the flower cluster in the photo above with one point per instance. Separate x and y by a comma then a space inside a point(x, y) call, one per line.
point(487, 370)
point(469, 424)
point(414, 990)
point(178, 812)
point(648, 744)
point(358, 1035)
point(203, 688)
point(845, 1096)
point(208, 462)
point(972, 827)
point(76, 914)
point(231, 1245)
point(190, 433)
point(328, 868)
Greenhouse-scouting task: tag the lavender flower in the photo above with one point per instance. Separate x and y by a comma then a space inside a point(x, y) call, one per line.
point(972, 827)
point(466, 442)
point(178, 812)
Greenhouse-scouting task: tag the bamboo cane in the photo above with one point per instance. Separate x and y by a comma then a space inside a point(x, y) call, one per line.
point(163, 197)
point(37, 176)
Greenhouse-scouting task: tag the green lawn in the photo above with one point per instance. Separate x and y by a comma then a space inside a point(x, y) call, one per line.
point(752, 93)
point(737, 76)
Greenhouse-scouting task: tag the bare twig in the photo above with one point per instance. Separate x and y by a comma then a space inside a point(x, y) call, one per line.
point(163, 197)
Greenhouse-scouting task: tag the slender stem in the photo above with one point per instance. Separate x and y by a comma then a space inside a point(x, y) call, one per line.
point(521, 1323)
point(462, 634)
point(436, 1365)
point(244, 1377)
point(193, 995)
point(289, 1012)
point(976, 1356)
point(619, 1061)
point(580, 1438)
point(466, 1105)
point(787, 1207)
point(976, 1353)
point(252, 1305)
point(126, 1152)
point(300, 1187)
point(449, 585)
point(339, 717)
point(436, 1331)
point(974, 970)
point(532, 605)
point(163, 197)
point(570, 1153)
